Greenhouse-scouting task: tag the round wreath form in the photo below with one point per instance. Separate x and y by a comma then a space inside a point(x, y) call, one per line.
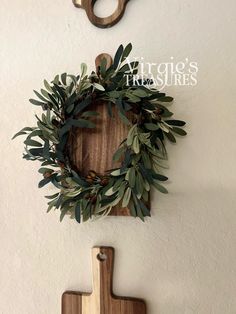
point(66, 101)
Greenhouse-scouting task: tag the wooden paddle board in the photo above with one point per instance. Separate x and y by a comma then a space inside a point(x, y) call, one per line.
point(101, 300)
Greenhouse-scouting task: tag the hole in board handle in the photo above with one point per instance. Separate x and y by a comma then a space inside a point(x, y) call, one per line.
point(101, 8)
point(101, 257)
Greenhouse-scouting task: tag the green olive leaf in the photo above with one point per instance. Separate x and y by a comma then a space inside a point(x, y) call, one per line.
point(126, 197)
point(151, 126)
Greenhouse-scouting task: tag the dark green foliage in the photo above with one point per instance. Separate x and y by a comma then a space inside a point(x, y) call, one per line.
point(65, 104)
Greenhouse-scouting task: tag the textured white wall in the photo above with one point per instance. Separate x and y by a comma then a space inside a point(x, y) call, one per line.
point(182, 261)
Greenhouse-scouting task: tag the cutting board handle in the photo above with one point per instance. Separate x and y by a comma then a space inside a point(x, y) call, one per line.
point(102, 22)
point(102, 300)
point(103, 263)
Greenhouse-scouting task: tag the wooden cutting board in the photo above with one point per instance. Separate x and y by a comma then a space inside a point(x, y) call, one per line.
point(94, 150)
point(101, 300)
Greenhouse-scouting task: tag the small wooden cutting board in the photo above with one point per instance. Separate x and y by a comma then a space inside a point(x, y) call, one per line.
point(101, 300)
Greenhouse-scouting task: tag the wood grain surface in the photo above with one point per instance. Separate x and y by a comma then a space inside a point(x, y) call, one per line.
point(102, 22)
point(101, 300)
point(93, 149)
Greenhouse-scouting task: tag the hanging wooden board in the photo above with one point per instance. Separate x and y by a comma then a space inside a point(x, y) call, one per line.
point(94, 150)
point(102, 22)
point(101, 300)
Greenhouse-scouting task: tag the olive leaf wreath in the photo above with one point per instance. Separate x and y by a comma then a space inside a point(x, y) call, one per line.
point(65, 102)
